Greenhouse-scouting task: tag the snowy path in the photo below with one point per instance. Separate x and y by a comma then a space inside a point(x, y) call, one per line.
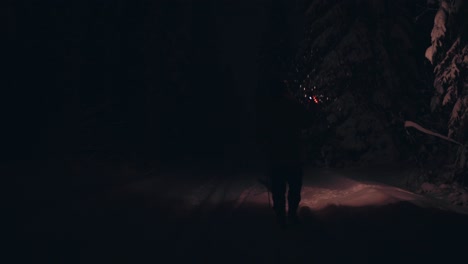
point(218, 218)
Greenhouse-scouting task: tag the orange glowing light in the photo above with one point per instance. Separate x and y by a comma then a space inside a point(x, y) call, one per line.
point(315, 99)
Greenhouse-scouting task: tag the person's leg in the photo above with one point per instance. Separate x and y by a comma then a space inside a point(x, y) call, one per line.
point(278, 190)
point(295, 186)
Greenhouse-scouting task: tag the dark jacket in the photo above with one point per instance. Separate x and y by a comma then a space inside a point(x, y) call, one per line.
point(285, 118)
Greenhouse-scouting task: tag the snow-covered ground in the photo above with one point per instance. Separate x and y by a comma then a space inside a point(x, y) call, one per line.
point(322, 188)
point(220, 216)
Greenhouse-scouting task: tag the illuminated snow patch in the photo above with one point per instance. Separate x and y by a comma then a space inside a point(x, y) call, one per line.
point(357, 195)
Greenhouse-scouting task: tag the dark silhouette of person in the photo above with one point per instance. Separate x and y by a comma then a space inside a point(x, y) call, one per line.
point(286, 118)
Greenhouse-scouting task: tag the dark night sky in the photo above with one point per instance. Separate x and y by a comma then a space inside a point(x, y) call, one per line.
point(74, 56)
point(182, 76)
point(228, 39)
